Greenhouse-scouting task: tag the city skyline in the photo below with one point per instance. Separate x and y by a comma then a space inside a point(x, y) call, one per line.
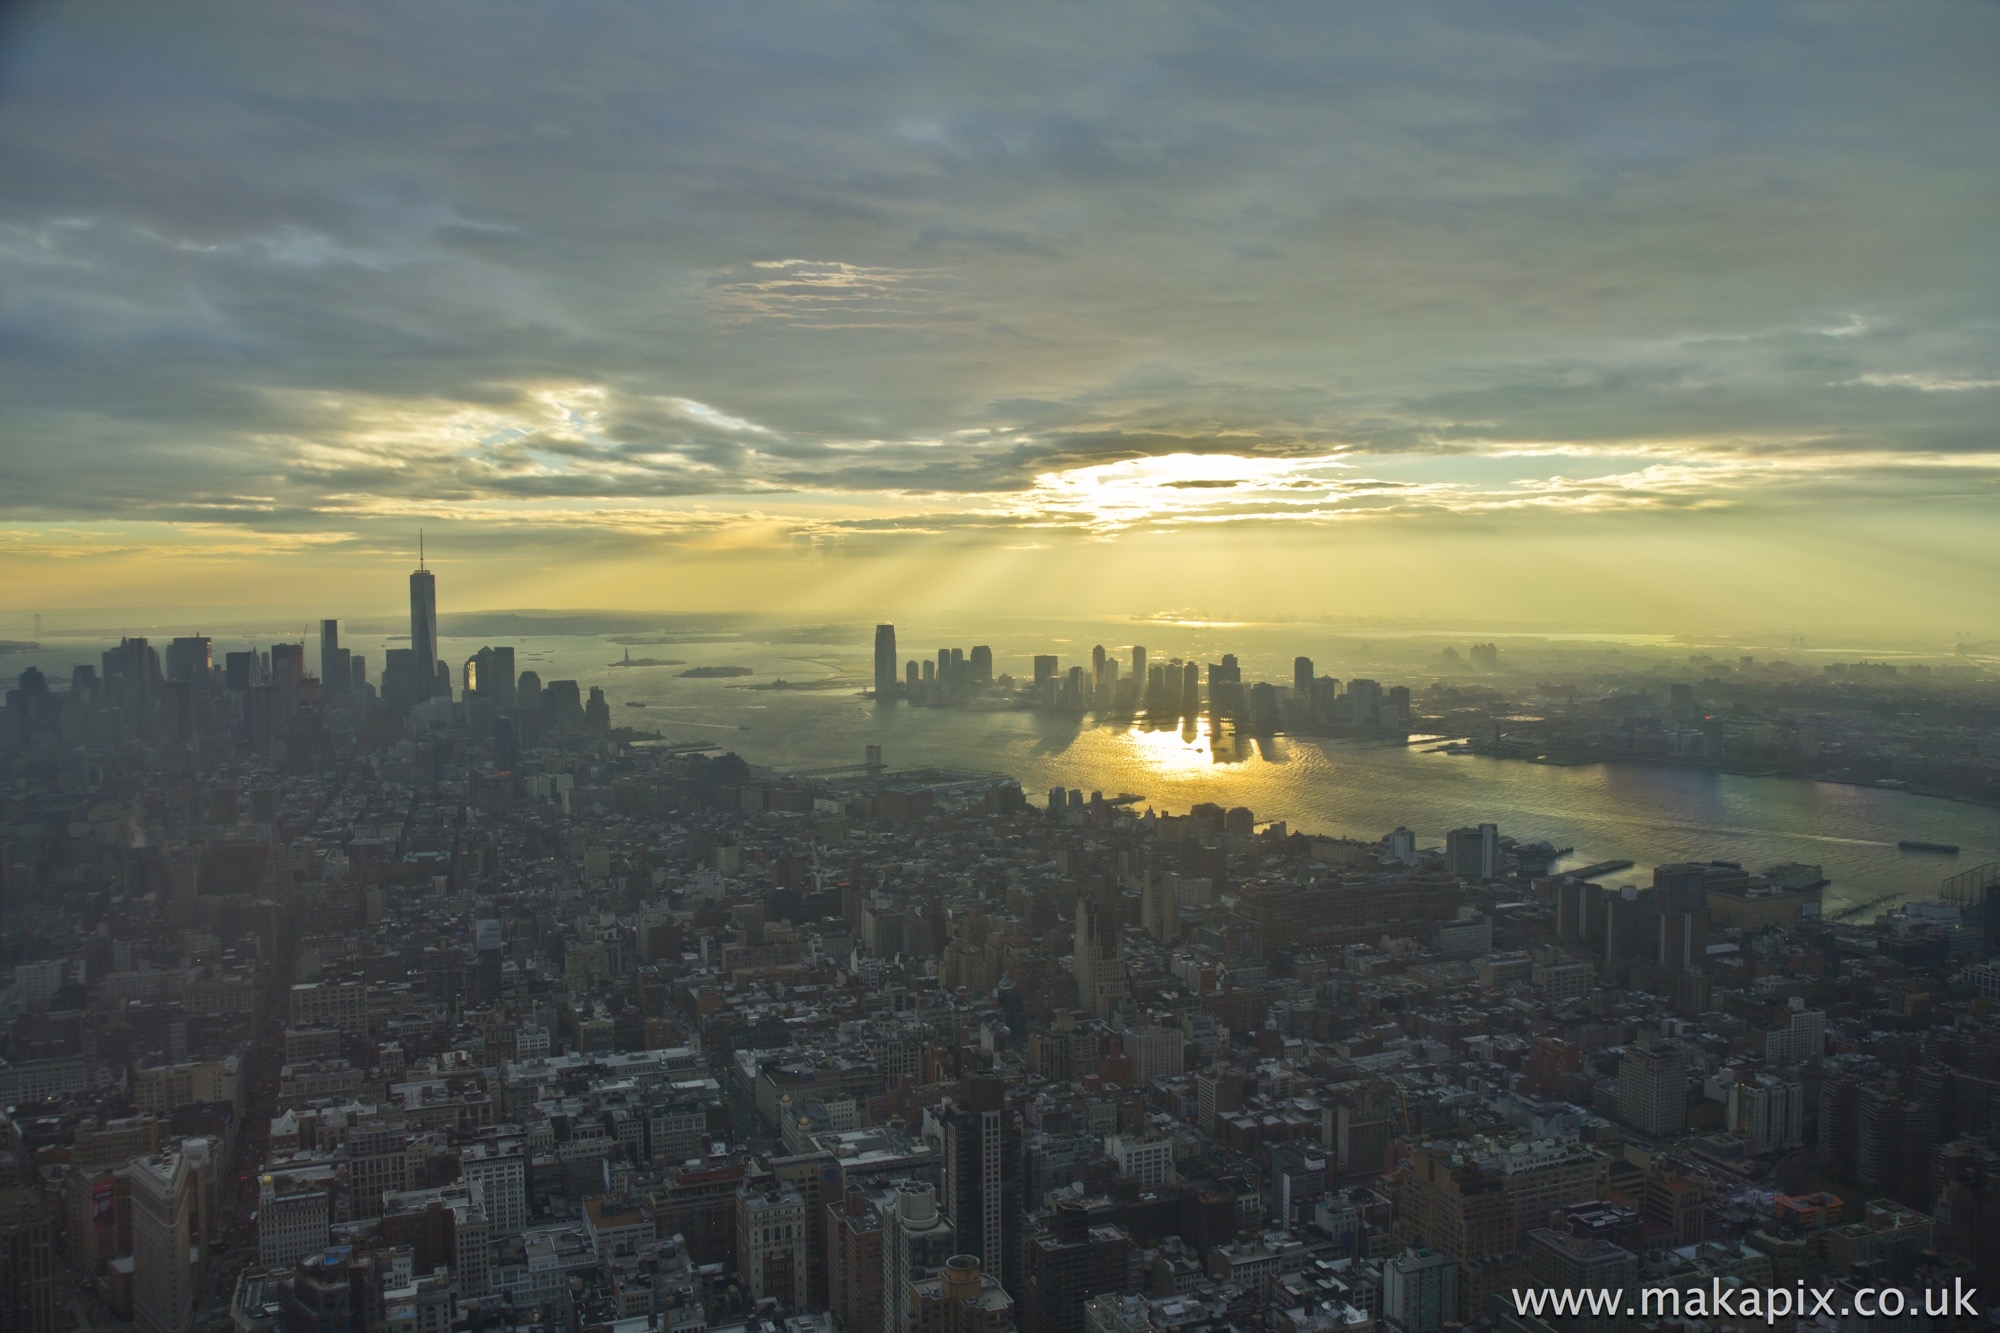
point(457, 999)
point(1639, 321)
point(864, 667)
point(1189, 723)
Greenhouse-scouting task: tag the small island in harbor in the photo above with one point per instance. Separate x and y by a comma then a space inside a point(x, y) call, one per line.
point(631, 661)
point(710, 672)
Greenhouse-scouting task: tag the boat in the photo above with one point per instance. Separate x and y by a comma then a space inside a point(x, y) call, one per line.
point(1912, 845)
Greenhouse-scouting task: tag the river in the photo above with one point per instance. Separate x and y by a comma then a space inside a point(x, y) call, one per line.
point(1645, 813)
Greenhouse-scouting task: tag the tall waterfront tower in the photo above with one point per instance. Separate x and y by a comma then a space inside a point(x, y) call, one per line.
point(886, 686)
point(423, 616)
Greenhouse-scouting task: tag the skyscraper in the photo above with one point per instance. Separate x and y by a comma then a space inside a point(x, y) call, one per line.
point(1098, 962)
point(528, 709)
point(333, 670)
point(190, 659)
point(1466, 852)
point(854, 1259)
point(982, 1174)
point(1419, 1291)
point(288, 671)
point(403, 682)
point(916, 1241)
point(1302, 679)
point(424, 619)
point(771, 1243)
point(27, 1281)
point(163, 1281)
point(886, 685)
point(1076, 1258)
point(1652, 1090)
point(562, 708)
point(241, 671)
point(489, 673)
point(132, 677)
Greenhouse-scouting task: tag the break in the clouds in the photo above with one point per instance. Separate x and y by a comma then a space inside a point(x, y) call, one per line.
point(314, 271)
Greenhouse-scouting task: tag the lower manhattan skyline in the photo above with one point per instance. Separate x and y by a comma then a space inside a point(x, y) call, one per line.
point(868, 667)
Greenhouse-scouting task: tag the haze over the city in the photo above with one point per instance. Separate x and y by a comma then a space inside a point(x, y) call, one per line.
point(1669, 317)
point(1202, 666)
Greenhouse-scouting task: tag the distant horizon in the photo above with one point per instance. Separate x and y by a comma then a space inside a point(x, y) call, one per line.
point(109, 623)
point(1646, 320)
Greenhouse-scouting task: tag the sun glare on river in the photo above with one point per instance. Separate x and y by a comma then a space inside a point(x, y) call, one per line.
point(1170, 751)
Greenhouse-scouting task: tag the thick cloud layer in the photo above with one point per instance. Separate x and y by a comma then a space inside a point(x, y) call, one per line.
point(312, 270)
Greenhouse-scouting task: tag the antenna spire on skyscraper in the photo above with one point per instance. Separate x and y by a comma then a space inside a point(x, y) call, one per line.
point(423, 618)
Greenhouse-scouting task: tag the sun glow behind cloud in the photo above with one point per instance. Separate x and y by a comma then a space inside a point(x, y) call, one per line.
point(836, 303)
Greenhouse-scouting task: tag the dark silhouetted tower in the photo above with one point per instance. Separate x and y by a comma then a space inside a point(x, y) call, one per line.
point(424, 617)
point(27, 1270)
point(335, 671)
point(288, 670)
point(189, 659)
point(982, 1175)
point(886, 686)
point(490, 675)
point(1068, 1264)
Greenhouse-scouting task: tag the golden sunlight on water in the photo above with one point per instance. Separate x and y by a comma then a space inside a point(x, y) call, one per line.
point(1167, 751)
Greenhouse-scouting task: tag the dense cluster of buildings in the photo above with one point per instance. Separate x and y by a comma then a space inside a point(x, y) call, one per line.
point(442, 1007)
point(1918, 726)
point(1162, 692)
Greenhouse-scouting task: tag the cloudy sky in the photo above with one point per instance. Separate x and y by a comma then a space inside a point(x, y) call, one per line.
point(1676, 314)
